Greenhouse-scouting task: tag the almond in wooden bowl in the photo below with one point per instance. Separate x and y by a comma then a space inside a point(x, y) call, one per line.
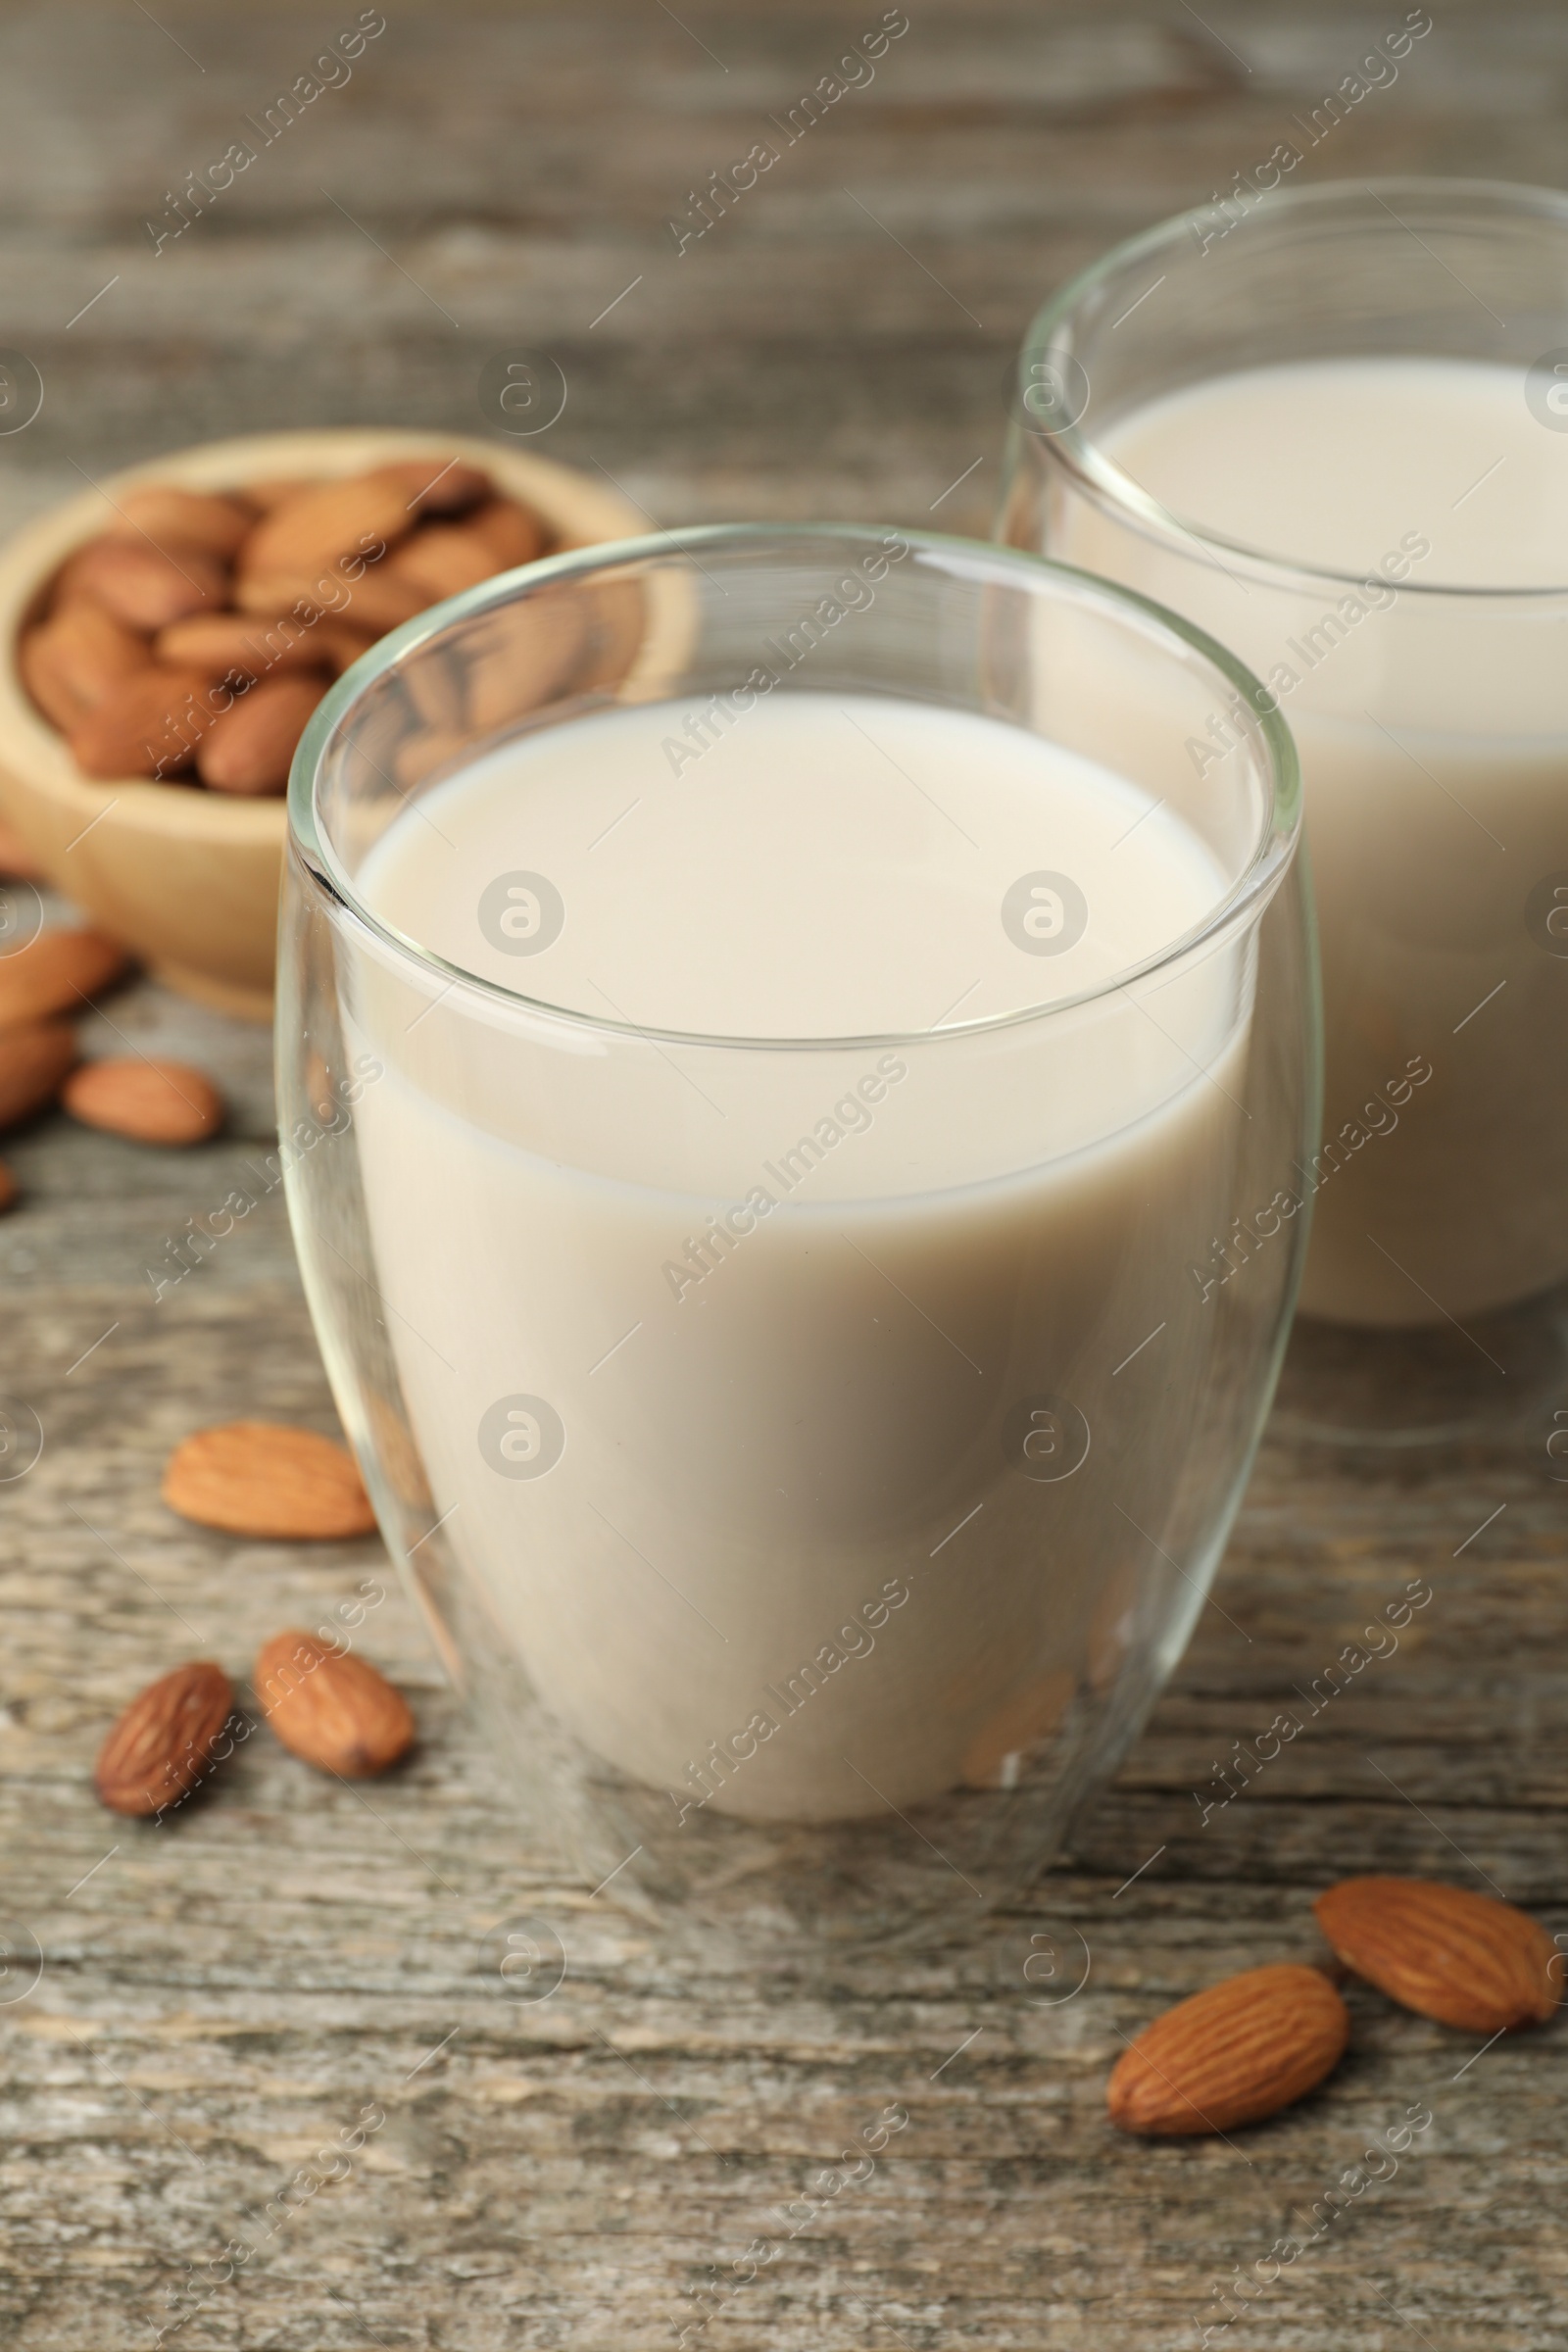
point(186, 875)
point(1461, 1958)
point(142, 585)
point(216, 525)
point(261, 1478)
point(508, 531)
point(1231, 2055)
point(249, 747)
point(71, 660)
point(456, 490)
point(155, 718)
point(444, 560)
point(331, 1707)
point(325, 526)
point(163, 1743)
point(146, 1102)
point(221, 645)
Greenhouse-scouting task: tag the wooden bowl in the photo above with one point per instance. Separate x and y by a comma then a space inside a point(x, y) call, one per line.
point(188, 878)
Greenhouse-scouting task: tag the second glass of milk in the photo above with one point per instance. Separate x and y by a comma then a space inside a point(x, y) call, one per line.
point(1330, 425)
point(771, 1022)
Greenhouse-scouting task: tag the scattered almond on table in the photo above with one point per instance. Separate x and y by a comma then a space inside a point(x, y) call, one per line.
point(1461, 1958)
point(328, 1707)
point(147, 1102)
point(61, 972)
point(331, 1708)
point(1230, 2055)
point(163, 1743)
point(36, 1059)
point(263, 1478)
point(58, 971)
point(1256, 2042)
point(192, 639)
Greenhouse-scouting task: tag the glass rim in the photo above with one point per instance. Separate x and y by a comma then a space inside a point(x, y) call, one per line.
point(986, 563)
point(1079, 454)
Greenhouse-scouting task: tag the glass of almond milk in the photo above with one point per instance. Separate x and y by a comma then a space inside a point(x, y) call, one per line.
point(1331, 425)
point(772, 1020)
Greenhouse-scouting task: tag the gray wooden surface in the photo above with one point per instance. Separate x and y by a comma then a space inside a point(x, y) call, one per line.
point(222, 1997)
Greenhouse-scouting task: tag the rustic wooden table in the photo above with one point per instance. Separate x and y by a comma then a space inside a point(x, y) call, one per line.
point(213, 2002)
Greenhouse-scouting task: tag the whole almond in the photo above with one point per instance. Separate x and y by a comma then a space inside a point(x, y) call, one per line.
point(331, 1707)
point(249, 748)
point(1447, 1953)
point(146, 725)
point(1230, 2055)
point(190, 517)
point(163, 1743)
point(34, 1058)
point(145, 586)
point(376, 601)
point(58, 971)
point(146, 1102)
point(316, 528)
point(513, 535)
point(435, 485)
point(70, 663)
point(445, 558)
point(221, 643)
point(9, 1191)
point(260, 1478)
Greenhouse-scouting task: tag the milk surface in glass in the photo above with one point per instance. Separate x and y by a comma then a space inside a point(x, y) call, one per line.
point(823, 1354)
point(1434, 739)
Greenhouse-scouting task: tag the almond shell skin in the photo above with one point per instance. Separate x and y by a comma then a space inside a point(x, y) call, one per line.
point(1233, 2054)
point(1461, 1958)
point(146, 1102)
point(264, 1478)
point(331, 1708)
point(163, 1743)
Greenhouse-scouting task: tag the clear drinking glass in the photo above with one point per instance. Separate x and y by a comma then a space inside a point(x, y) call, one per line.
point(810, 1451)
point(1431, 715)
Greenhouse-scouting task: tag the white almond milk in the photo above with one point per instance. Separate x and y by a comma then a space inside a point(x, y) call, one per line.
point(814, 1342)
point(1434, 740)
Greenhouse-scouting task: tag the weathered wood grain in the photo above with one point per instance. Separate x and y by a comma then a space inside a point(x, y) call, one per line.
point(222, 1996)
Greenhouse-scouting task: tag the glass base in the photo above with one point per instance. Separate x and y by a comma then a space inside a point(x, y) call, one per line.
point(1496, 1378)
point(779, 1897)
